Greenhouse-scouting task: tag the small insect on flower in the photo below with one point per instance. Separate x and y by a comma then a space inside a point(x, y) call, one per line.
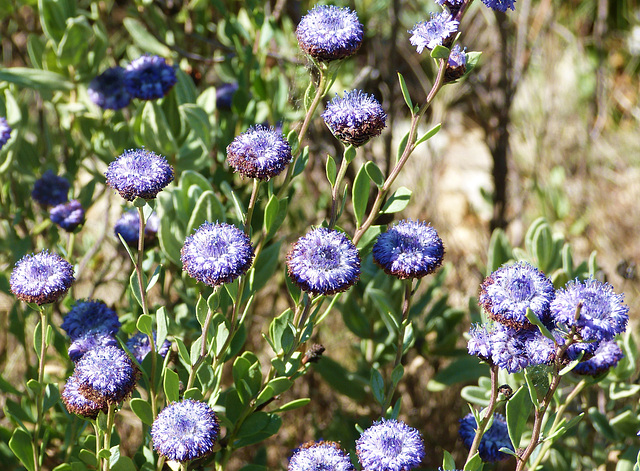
point(149, 77)
point(329, 33)
point(432, 33)
point(390, 445)
point(493, 439)
point(41, 278)
point(326, 456)
point(139, 173)
point(356, 118)
point(185, 431)
point(5, 131)
point(50, 190)
point(77, 404)
point(108, 90)
point(260, 152)
point(67, 215)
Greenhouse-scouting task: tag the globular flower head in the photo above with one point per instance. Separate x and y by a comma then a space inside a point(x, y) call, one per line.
point(432, 33)
point(5, 131)
point(149, 77)
point(50, 189)
point(516, 349)
point(479, 344)
point(139, 173)
point(216, 253)
point(139, 346)
point(90, 315)
point(356, 118)
point(185, 431)
point(390, 445)
point(500, 5)
point(128, 226)
point(602, 316)
point(328, 33)
point(108, 90)
point(511, 289)
point(88, 341)
point(41, 278)
point(324, 262)
point(106, 374)
point(493, 439)
point(67, 215)
point(606, 355)
point(77, 404)
point(326, 456)
point(409, 249)
point(260, 152)
point(224, 95)
point(456, 64)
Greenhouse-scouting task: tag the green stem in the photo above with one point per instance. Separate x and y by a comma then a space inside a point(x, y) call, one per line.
point(252, 204)
point(184, 466)
point(488, 413)
point(98, 443)
point(107, 436)
point(335, 191)
point(203, 351)
point(44, 325)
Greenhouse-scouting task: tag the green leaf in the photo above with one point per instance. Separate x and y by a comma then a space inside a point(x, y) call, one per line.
point(144, 324)
point(274, 388)
point(402, 146)
point(135, 287)
point(397, 374)
point(162, 321)
point(377, 386)
point(405, 92)
point(473, 58)
point(53, 17)
point(122, 463)
point(602, 425)
point(201, 310)
point(193, 393)
point(474, 464)
point(430, 133)
point(7, 387)
point(499, 251)
point(171, 385)
point(182, 351)
point(37, 339)
point(20, 444)
point(51, 396)
point(448, 463)
point(271, 212)
point(143, 39)
point(331, 170)
point(302, 162)
point(75, 43)
point(142, 409)
point(538, 323)
point(295, 404)
point(398, 201)
point(360, 195)
point(374, 173)
point(349, 153)
point(440, 52)
point(154, 278)
point(36, 79)
point(518, 411)
point(207, 208)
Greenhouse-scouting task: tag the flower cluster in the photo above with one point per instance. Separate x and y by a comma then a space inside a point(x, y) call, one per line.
point(260, 152)
point(41, 278)
point(128, 226)
point(68, 215)
point(390, 445)
point(356, 118)
point(320, 455)
point(139, 173)
point(435, 32)
point(50, 190)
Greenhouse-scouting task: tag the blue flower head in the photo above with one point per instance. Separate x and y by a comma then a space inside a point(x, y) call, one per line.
point(139, 173)
point(67, 215)
point(516, 349)
point(50, 189)
point(356, 118)
point(409, 249)
point(128, 226)
point(493, 439)
point(88, 341)
point(41, 278)
point(224, 95)
point(326, 456)
point(77, 404)
point(606, 355)
point(500, 5)
point(390, 445)
point(456, 64)
point(324, 262)
point(90, 315)
point(328, 33)
point(5, 131)
point(432, 33)
point(106, 374)
point(185, 431)
point(260, 152)
point(603, 315)
point(108, 89)
point(511, 289)
point(149, 77)
point(216, 253)
point(139, 346)
point(479, 343)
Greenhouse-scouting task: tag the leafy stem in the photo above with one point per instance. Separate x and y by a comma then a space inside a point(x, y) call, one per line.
point(487, 414)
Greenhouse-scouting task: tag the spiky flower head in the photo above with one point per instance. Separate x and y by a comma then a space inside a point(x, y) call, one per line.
point(41, 278)
point(77, 404)
point(149, 77)
point(185, 431)
point(606, 355)
point(327, 456)
point(409, 249)
point(5, 131)
point(260, 152)
point(432, 33)
point(500, 5)
point(139, 346)
point(479, 343)
point(50, 189)
point(139, 173)
point(216, 253)
point(324, 261)
point(390, 445)
point(128, 226)
point(108, 90)
point(67, 215)
point(88, 341)
point(356, 118)
point(90, 315)
point(328, 33)
point(511, 289)
point(493, 439)
point(106, 374)
point(516, 349)
point(602, 315)
point(456, 64)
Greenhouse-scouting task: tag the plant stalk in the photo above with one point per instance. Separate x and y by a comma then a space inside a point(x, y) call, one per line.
point(488, 413)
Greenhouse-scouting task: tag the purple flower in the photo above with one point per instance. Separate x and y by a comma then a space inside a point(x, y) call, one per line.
point(432, 33)
point(185, 431)
point(108, 89)
point(493, 439)
point(139, 173)
point(5, 131)
point(603, 315)
point(128, 226)
point(514, 349)
point(67, 215)
point(77, 404)
point(456, 64)
point(409, 249)
point(260, 152)
point(106, 374)
point(605, 356)
point(216, 254)
point(90, 316)
point(50, 189)
point(329, 33)
point(88, 341)
point(480, 342)
point(139, 346)
point(324, 262)
point(500, 5)
point(149, 77)
point(41, 278)
point(356, 118)
point(390, 445)
point(224, 95)
point(511, 289)
point(326, 456)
